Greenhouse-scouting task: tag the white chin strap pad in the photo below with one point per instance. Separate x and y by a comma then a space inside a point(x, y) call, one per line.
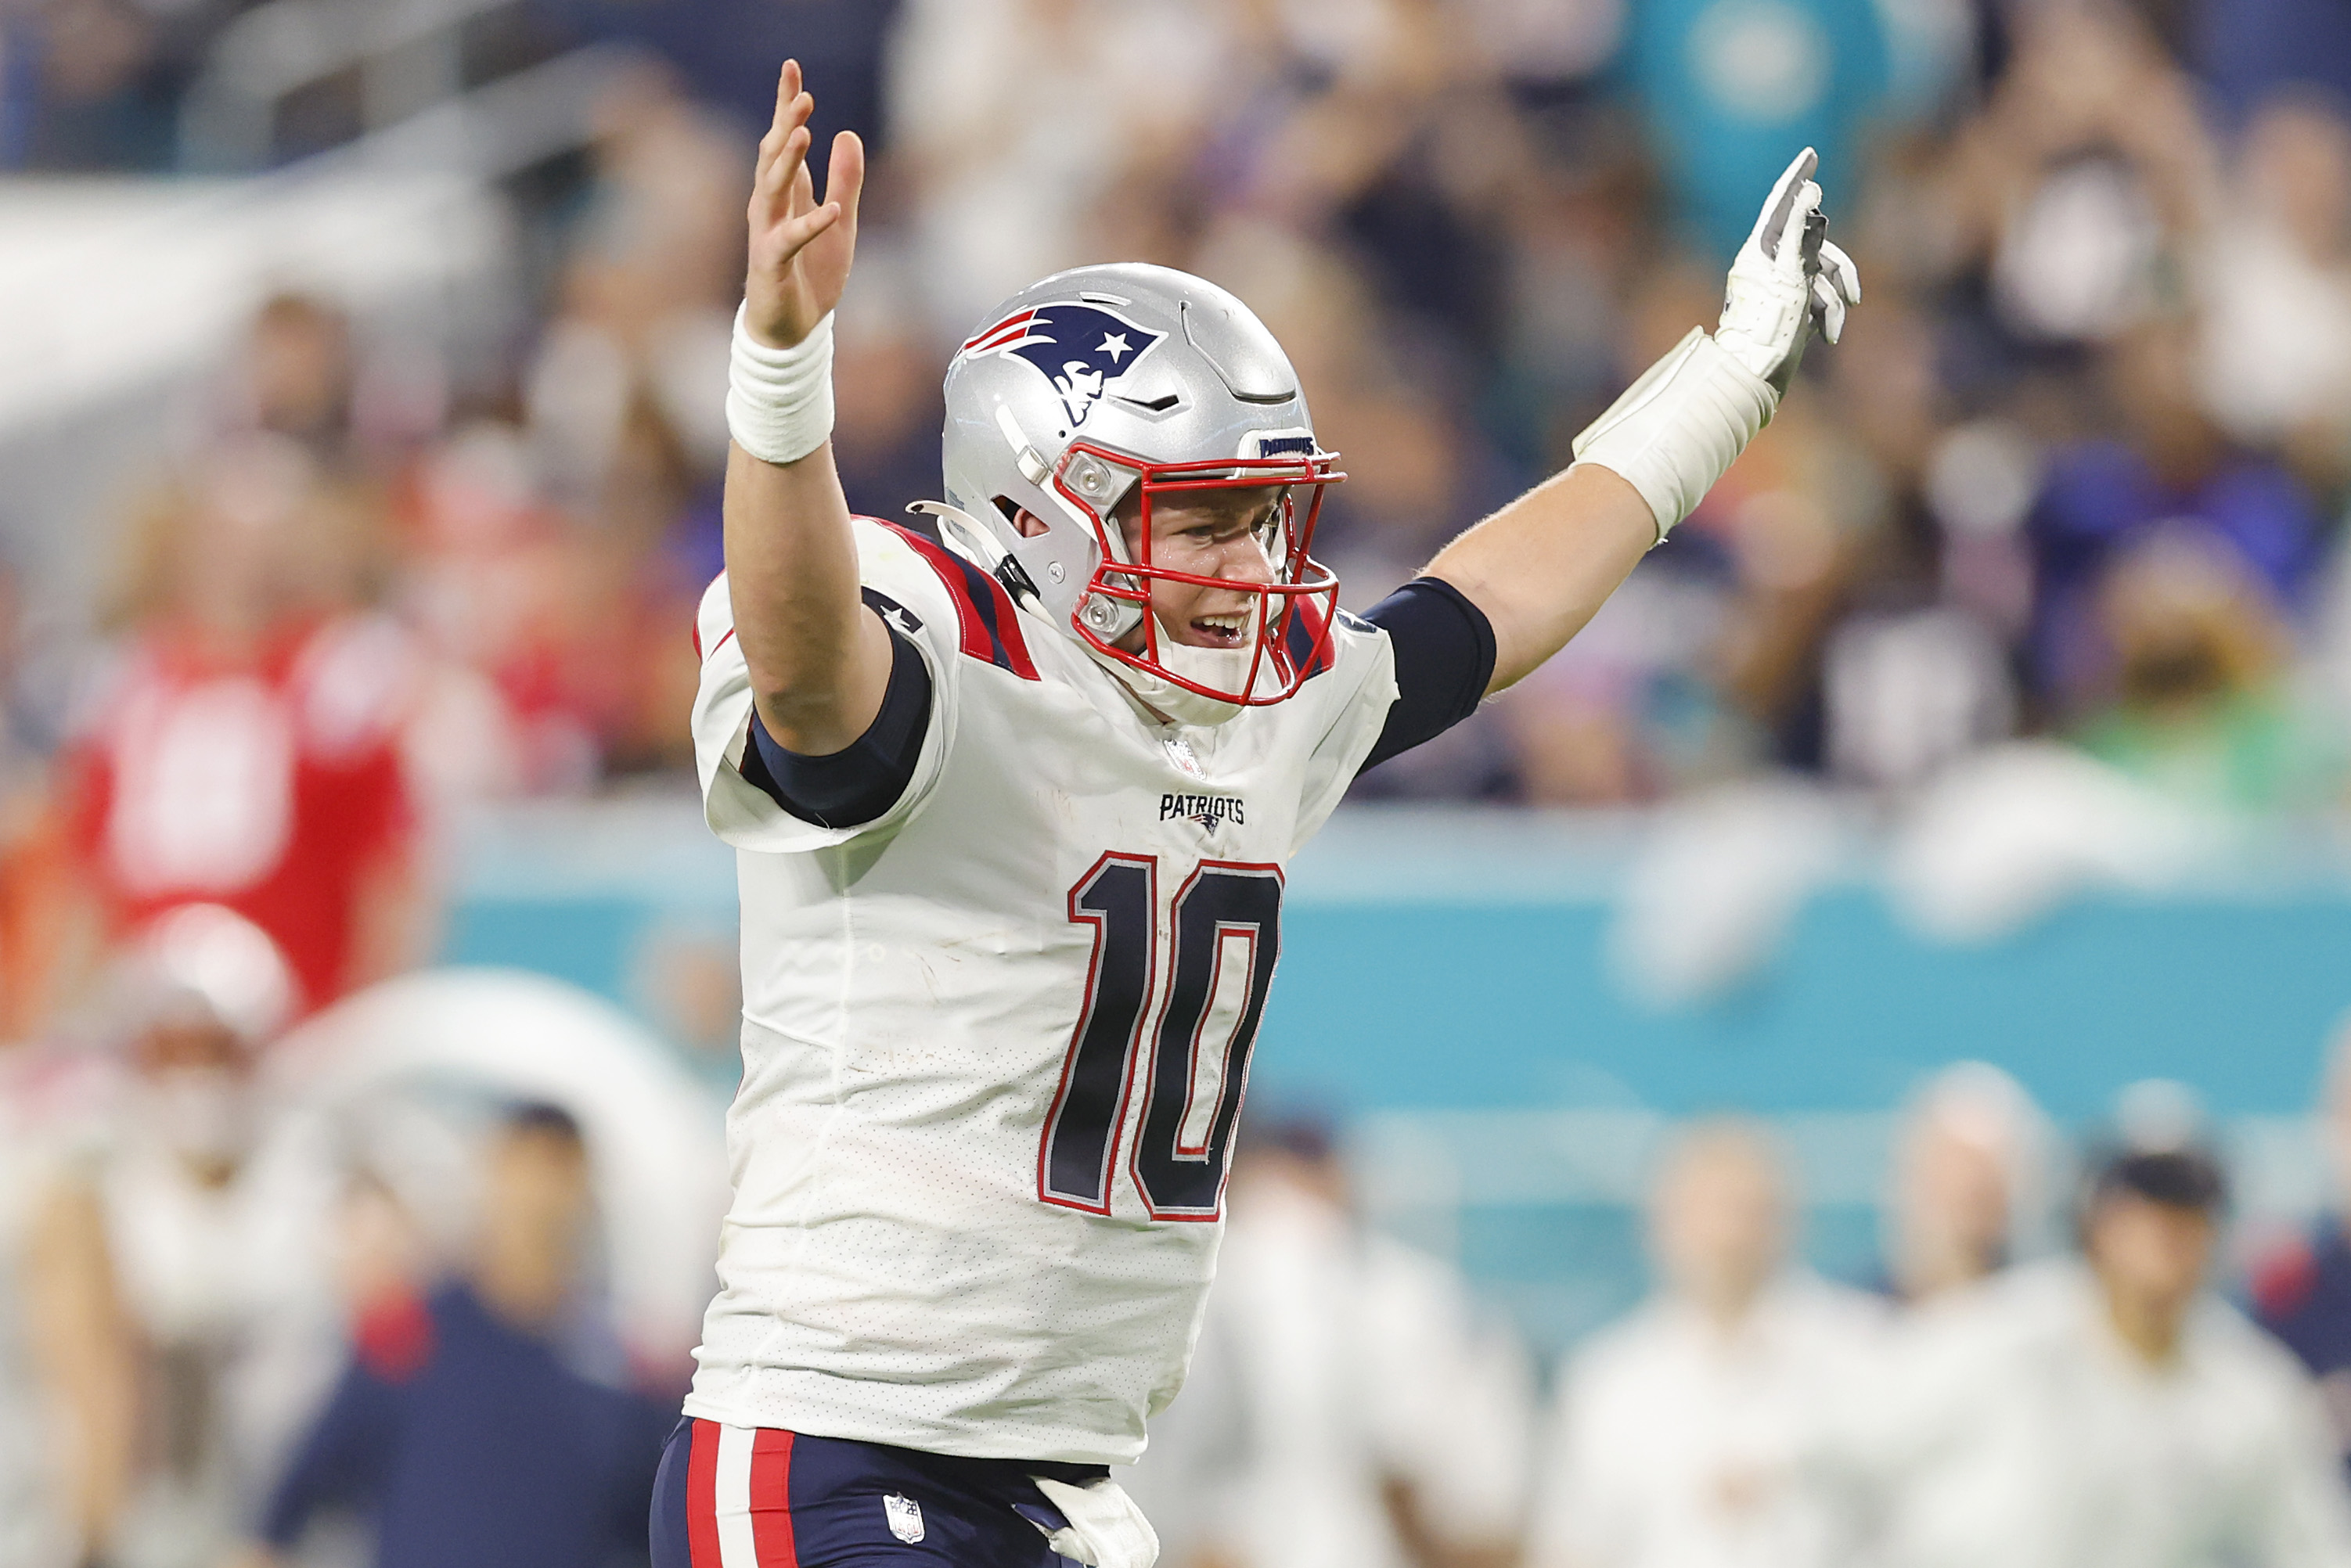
point(1678, 429)
point(1220, 669)
point(1105, 1528)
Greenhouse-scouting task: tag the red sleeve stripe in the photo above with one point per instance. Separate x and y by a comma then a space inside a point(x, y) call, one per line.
point(1305, 640)
point(985, 615)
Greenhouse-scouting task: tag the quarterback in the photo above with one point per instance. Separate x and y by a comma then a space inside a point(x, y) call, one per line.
point(1011, 814)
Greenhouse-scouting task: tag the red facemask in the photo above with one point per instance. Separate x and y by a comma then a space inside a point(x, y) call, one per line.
point(1292, 613)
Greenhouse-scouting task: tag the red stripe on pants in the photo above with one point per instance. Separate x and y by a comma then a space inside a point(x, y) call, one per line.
point(771, 1500)
point(702, 1496)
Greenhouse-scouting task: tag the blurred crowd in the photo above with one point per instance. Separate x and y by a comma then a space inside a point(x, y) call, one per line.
point(274, 1298)
point(410, 1284)
point(2043, 1369)
point(2077, 472)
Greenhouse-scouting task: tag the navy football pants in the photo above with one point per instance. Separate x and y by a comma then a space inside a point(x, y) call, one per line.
point(745, 1497)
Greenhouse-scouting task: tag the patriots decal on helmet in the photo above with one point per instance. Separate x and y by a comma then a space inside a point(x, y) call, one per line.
point(1081, 349)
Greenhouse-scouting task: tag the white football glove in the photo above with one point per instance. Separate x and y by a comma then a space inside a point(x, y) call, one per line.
point(1786, 280)
point(1685, 421)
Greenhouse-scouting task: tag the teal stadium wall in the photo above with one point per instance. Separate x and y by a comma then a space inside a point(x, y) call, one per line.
point(1438, 959)
point(1445, 990)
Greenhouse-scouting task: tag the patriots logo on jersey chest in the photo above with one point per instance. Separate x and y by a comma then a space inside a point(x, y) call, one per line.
point(1205, 810)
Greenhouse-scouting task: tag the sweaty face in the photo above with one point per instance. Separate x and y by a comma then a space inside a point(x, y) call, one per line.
point(1221, 534)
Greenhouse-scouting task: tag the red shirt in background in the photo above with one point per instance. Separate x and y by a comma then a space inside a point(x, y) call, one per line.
point(272, 784)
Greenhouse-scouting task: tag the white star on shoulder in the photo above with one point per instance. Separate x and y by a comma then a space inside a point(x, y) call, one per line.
point(1114, 345)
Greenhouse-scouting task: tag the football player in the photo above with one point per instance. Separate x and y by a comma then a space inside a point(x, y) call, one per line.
point(1011, 816)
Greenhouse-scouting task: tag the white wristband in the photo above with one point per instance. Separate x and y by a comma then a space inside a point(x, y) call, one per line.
point(779, 400)
point(1676, 429)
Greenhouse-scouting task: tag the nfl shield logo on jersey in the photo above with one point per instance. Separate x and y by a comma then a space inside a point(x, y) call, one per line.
point(906, 1517)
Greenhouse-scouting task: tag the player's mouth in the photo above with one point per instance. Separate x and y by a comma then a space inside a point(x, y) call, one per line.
point(1218, 631)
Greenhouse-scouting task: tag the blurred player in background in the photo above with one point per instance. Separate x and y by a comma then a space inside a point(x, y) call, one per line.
point(1011, 817)
point(1349, 1407)
point(1966, 1176)
point(67, 1376)
point(244, 748)
point(2302, 1291)
point(458, 1429)
point(1681, 1431)
point(182, 1290)
point(2109, 1412)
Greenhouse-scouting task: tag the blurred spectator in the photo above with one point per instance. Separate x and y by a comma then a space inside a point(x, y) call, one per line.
point(1677, 1429)
point(2302, 1291)
point(2076, 192)
point(44, 951)
point(1350, 1408)
point(1013, 118)
point(245, 747)
point(886, 393)
point(299, 376)
point(458, 1431)
point(68, 1387)
point(2276, 290)
point(180, 1282)
point(561, 554)
point(85, 86)
point(2172, 469)
point(661, 236)
point(1969, 1169)
point(727, 52)
point(2251, 49)
point(2200, 708)
point(2107, 1413)
point(489, 584)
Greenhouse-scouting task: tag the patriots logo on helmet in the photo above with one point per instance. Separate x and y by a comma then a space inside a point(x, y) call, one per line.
point(1081, 349)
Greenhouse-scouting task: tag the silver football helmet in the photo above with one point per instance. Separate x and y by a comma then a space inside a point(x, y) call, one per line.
point(1105, 383)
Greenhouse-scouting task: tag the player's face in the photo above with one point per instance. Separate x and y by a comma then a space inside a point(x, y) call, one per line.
point(2155, 1254)
point(1221, 534)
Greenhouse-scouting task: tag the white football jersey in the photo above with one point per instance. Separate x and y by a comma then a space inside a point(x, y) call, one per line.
point(994, 1042)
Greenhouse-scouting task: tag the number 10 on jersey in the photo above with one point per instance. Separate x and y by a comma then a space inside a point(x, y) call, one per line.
point(1222, 936)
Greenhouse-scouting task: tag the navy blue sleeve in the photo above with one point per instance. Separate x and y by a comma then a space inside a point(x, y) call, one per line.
point(343, 1459)
point(1444, 657)
point(856, 784)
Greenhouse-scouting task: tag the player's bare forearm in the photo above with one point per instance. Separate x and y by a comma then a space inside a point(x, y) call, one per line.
point(1543, 565)
point(820, 662)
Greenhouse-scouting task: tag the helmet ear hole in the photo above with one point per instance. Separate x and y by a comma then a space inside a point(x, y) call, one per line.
point(1014, 512)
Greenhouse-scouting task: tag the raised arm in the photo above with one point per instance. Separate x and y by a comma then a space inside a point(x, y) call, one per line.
point(820, 661)
point(1541, 566)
